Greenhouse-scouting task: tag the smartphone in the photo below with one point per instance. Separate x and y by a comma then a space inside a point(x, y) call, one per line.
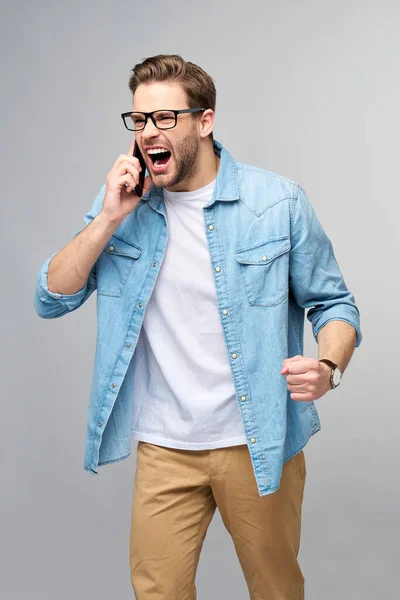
point(138, 154)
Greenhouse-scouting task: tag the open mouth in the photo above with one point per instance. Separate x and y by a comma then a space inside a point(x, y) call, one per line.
point(159, 158)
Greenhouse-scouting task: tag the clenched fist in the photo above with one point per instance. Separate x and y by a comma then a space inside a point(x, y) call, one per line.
point(307, 379)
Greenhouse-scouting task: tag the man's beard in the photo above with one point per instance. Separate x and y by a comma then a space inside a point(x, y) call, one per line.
point(185, 156)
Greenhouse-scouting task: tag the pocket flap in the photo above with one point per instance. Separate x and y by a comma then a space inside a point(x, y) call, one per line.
point(264, 252)
point(121, 247)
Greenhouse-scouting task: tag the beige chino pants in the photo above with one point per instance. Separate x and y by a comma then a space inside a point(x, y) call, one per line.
point(175, 496)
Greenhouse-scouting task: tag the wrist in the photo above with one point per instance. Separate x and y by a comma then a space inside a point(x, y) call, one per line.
point(109, 222)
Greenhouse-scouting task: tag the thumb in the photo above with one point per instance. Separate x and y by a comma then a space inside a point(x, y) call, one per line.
point(285, 370)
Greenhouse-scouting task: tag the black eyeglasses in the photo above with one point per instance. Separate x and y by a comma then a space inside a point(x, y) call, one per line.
point(162, 119)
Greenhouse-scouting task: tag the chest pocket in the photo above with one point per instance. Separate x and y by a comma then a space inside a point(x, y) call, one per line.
point(114, 265)
point(264, 269)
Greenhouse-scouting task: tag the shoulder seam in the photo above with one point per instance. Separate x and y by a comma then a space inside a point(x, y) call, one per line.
point(246, 167)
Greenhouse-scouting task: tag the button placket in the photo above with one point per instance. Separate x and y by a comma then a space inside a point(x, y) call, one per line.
point(225, 312)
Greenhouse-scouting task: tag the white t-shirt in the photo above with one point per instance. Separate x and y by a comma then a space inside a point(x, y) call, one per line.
point(183, 386)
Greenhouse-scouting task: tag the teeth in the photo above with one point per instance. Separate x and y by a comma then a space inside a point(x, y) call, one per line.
point(156, 150)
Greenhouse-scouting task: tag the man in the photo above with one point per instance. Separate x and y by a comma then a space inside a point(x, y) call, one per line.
point(202, 284)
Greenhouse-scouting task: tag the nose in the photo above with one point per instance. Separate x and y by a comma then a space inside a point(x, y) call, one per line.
point(149, 129)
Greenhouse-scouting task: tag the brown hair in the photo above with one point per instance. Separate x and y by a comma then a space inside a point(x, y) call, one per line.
point(198, 85)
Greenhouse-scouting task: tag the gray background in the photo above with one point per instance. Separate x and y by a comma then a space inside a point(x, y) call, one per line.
point(319, 81)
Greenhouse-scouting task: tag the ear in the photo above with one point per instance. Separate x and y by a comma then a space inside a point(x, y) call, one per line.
point(206, 122)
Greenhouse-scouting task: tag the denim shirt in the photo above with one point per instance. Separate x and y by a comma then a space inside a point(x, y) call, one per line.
point(271, 260)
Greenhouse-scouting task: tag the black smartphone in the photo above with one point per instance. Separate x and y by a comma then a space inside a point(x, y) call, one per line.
point(138, 154)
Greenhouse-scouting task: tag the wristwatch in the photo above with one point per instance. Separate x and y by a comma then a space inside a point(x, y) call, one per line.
point(336, 373)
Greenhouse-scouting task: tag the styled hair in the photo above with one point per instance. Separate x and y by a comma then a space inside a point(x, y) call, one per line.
point(197, 84)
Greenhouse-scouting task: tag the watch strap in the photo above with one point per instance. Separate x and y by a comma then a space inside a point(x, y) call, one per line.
point(333, 366)
point(328, 362)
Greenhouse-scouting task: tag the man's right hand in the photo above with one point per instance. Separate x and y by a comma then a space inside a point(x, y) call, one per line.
point(121, 199)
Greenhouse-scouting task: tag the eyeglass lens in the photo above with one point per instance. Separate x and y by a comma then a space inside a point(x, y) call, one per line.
point(164, 120)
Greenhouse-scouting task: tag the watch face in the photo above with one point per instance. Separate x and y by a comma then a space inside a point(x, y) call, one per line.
point(336, 376)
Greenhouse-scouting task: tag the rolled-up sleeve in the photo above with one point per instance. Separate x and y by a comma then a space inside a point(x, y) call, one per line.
point(315, 279)
point(50, 305)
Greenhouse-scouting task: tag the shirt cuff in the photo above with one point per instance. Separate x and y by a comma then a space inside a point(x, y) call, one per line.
point(337, 313)
point(69, 300)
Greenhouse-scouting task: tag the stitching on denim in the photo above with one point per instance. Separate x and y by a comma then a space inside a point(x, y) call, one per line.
point(101, 404)
point(266, 173)
point(229, 303)
point(216, 211)
point(272, 305)
point(294, 206)
point(116, 360)
point(260, 214)
point(315, 430)
point(277, 238)
point(295, 329)
point(113, 460)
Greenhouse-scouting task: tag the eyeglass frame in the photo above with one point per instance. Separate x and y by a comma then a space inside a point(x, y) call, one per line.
point(148, 115)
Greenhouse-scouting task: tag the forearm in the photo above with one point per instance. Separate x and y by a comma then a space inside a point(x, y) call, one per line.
point(336, 341)
point(69, 269)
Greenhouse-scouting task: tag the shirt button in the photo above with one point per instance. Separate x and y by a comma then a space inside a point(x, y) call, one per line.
point(211, 227)
point(113, 385)
point(218, 269)
point(252, 440)
point(100, 424)
point(264, 258)
point(127, 345)
point(154, 264)
point(225, 312)
point(140, 304)
point(234, 355)
point(243, 398)
point(111, 248)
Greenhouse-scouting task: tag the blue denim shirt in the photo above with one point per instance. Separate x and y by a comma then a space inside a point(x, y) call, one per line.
point(271, 260)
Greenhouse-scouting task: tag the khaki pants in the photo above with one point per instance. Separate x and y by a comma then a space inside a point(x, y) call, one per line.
point(175, 496)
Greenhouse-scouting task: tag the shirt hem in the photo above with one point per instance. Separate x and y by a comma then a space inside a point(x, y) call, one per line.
point(143, 437)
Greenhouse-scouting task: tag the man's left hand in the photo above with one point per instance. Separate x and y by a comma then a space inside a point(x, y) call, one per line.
point(307, 378)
